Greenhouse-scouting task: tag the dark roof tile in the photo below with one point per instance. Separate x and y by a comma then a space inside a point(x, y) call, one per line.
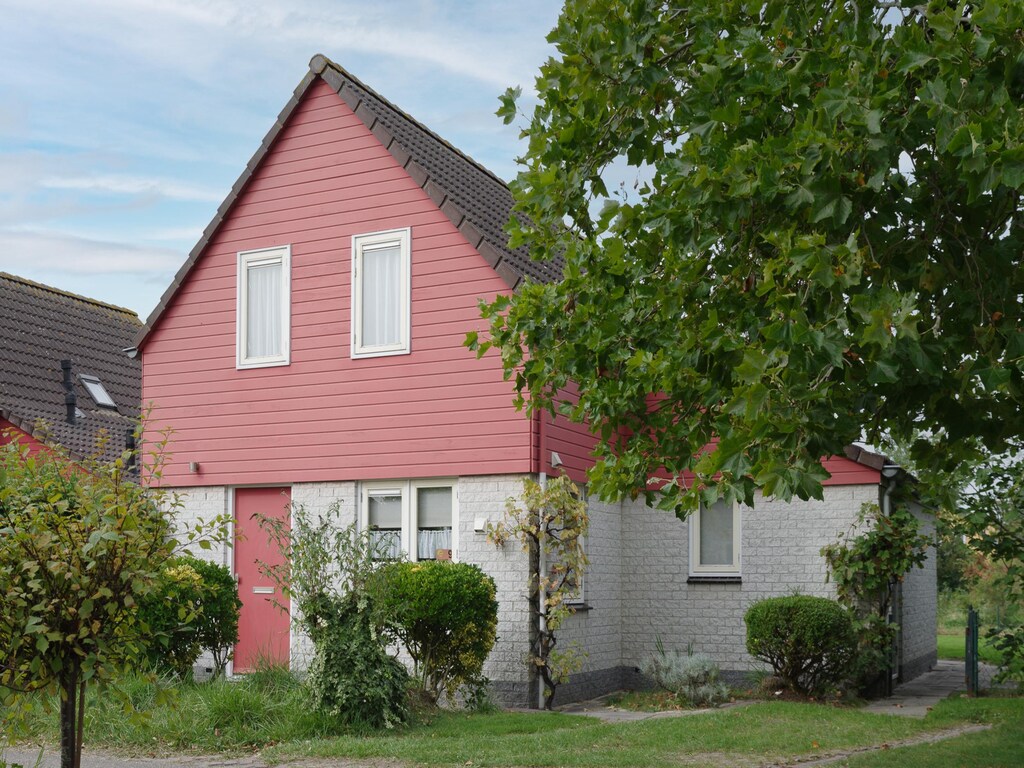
point(39, 327)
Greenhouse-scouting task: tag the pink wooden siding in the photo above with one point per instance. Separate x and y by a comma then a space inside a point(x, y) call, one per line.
point(573, 443)
point(846, 472)
point(435, 412)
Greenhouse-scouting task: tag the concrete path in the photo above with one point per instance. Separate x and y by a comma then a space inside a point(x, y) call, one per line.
point(917, 697)
point(602, 710)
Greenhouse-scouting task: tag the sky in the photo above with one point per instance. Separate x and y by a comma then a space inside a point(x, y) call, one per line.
point(124, 123)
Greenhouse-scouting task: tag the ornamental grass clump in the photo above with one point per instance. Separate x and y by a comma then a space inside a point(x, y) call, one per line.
point(693, 677)
point(809, 642)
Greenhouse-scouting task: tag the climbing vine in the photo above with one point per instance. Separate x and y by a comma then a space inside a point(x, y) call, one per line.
point(866, 564)
point(550, 524)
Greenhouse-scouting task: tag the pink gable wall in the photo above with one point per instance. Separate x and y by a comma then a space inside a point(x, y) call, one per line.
point(9, 432)
point(435, 412)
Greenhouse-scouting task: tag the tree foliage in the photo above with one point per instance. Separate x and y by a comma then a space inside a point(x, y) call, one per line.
point(822, 244)
point(994, 523)
point(551, 525)
point(81, 543)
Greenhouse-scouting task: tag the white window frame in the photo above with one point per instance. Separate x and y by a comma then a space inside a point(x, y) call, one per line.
point(735, 569)
point(279, 254)
point(371, 240)
point(410, 514)
point(97, 391)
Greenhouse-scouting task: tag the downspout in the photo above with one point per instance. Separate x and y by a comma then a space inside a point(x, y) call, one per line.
point(542, 480)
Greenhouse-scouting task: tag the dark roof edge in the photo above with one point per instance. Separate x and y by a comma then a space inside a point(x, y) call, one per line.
point(69, 294)
point(877, 461)
point(336, 77)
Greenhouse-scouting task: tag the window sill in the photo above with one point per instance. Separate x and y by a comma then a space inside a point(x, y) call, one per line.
point(580, 607)
point(715, 580)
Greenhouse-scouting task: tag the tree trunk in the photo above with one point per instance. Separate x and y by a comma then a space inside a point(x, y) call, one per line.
point(69, 751)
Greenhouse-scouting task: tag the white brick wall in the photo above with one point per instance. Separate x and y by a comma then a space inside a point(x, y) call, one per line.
point(597, 627)
point(920, 607)
point(780, 546)
point(636, 587)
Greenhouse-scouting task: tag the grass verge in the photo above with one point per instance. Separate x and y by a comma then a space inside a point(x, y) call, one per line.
point(269, 712)
point(951, 646)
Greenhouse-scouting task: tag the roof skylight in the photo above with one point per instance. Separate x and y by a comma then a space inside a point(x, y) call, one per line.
point(97, 391)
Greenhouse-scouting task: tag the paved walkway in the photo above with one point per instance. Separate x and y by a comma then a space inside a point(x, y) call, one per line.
point(915, 698)
point(912, 699)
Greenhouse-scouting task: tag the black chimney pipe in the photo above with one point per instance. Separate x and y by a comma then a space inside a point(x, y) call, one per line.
point(130, 445)
point(69, 392)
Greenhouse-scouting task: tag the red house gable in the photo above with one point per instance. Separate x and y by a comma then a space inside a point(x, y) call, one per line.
point(340, 166)
point(330, 173)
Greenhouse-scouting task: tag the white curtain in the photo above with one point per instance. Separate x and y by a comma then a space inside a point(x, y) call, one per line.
point(716, 534)
point(431, 540)
point(386, 544)
point(434, 521)
point(263, 310)
point(382, 310)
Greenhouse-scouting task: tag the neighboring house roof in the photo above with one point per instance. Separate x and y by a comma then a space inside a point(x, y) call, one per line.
point(476, 201)
point(39, 327)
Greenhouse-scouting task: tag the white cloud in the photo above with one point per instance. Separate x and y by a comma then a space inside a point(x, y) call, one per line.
point(56, 252)
point(134, 185)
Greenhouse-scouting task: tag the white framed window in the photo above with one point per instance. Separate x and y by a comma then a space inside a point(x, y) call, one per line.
point(417, 518)
point(381, 293)
point(263, 316)
point(715, 540)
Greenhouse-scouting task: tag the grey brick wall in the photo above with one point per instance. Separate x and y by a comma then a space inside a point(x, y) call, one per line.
point(485, 497)
point(597, 625)
point(920, 608)
point(637, 589)
point(780, 544)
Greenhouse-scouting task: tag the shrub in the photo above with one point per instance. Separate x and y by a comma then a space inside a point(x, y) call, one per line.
point(217, 623)
point(194, 607)
point(326, 573)
point(693, 677)
point(809, 642)
point(446, 616)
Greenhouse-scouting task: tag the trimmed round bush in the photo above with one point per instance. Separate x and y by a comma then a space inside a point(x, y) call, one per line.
point(809, 642)
point(194, 608)
point(446, 616)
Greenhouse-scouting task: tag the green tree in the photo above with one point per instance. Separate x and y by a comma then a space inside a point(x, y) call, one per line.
point(822, 244)
point(81, 543)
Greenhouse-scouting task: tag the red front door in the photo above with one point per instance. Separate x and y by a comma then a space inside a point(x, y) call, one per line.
point(263, 627)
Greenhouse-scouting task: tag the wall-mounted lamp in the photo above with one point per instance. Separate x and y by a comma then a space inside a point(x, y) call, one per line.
point(480, 524)
point(556, 460)
point(193, 467)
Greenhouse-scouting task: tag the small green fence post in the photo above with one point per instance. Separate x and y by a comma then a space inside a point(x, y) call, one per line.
point(971, 652)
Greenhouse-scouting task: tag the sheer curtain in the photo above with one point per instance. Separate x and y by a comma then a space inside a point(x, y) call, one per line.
point(384, 515)
point(716, 534)
point(263, 310)
point(382, 309)
point(434, 526)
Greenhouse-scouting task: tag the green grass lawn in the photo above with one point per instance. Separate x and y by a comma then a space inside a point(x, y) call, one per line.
point(951, 646)
point(268, 712)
